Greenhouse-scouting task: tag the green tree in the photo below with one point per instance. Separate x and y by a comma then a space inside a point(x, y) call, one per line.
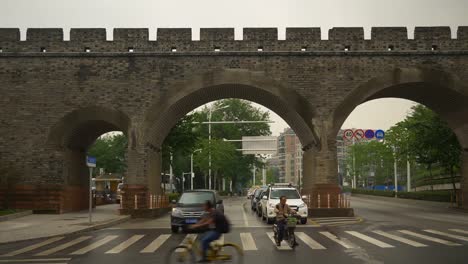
point(110, 153)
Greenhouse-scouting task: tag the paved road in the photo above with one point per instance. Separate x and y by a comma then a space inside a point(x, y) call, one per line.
point(392, 232)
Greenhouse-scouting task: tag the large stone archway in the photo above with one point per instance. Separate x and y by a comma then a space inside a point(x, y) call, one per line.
point(442, 92)
point(183, 97)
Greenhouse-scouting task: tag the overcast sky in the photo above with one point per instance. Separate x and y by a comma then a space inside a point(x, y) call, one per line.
point(246, 13)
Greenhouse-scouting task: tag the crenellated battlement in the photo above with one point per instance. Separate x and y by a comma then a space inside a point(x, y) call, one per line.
point(222, 39)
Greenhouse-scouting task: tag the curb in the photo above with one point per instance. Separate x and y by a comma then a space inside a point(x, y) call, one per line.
point(15, 215)
point(87, 229)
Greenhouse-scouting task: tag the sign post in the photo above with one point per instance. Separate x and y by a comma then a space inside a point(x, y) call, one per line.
point(91, 163)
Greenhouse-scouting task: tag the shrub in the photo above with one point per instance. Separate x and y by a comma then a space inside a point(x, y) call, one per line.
point(173, 196)
point(374, 192)
point(436, 196)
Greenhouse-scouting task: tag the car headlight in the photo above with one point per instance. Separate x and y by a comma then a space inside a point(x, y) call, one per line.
point(302, 205)
point(176, 212)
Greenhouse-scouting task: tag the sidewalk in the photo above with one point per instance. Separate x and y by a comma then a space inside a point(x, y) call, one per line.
point(46, 225)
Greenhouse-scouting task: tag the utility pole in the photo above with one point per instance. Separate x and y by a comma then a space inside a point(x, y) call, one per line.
point(253, 177)
point(171, 176)
point(395, 171)
point(209, 148)
point(408, 174)
point(354, 168)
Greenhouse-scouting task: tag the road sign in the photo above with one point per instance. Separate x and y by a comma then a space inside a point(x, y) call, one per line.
point(359, 134)
point(348, 134)
point(369, 133)
point(379, 134)
point(91, 161)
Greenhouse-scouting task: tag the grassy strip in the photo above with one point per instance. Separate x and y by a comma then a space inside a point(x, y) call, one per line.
point(7, 211)
point(436, 196)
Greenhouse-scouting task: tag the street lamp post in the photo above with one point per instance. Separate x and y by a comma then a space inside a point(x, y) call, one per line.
point(192, 175)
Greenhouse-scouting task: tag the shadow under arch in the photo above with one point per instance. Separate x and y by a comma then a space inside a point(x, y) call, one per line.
point(67, 144)
point(79, 128)
point(242, 84)
point(440, 91)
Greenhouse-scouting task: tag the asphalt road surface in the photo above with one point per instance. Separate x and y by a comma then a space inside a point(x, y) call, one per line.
point(386, 231)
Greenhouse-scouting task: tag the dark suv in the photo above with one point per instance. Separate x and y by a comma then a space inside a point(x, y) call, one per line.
point(189, 209)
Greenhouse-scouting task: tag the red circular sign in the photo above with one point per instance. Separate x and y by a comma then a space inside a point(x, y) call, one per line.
point(359, 134)
point(348, 134)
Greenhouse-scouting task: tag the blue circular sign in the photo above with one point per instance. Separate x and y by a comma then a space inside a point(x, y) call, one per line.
point(379, 134)
point(369, 134)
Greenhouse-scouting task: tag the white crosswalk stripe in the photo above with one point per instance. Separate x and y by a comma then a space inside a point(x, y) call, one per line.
point(153, 246)
point(459, 231)
point(370, 239)
point(429, 238)
point(185, 241)
point(33, 247)
point(283, 245)
point(122, 246)
point(309, 241)
point(63, 246)
point(400, 239)
point(248, 242)
point(94, 245)
point(446, 234)
point(337, 240)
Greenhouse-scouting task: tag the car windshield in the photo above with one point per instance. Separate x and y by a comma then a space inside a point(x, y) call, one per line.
point(196, 197)
point(289, 193)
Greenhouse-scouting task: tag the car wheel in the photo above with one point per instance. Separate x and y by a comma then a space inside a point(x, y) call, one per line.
point(174, 229)
point(304, 221)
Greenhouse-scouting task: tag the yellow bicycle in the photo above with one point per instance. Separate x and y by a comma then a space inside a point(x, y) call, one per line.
point(217, 253)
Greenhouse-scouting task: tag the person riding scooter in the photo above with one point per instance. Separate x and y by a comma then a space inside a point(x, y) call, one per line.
point(282, 210)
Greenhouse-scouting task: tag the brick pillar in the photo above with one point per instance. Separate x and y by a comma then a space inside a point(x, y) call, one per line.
point(320, 177)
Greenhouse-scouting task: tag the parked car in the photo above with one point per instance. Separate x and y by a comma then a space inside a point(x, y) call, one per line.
point(256, 198)
point(189, 208)
point(259, 202)
point(251, 192)
point(271, 198)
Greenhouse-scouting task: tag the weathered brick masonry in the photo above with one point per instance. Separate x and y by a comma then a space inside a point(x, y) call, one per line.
point(58, 96)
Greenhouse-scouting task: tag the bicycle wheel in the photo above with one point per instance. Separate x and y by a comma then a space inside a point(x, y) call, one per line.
point(180, 254)
point(292, 240)
point(230, 253)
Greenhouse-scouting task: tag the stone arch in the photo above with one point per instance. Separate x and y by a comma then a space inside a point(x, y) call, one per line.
point(243, 84)
point(443, 92)
point(67, 144)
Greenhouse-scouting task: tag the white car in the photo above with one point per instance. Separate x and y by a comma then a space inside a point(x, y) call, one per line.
point(272, 197)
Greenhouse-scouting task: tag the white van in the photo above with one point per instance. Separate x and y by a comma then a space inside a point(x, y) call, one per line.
point(272, 197)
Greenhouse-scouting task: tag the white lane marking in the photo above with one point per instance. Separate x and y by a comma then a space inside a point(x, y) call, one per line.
point(124, 245)
point(63, 246)
point(185, 241)
point(246, 222)
point(370, 239)
point(400, 239)
point(446, 234)
point(94, 245)
point(282, 246)
point(337, 240)
point(248, 242)
point(332, 218)
point(309, 241)
point(459, 231)
point(33, 247)
point(433, 239)
point(153, 246)
point(38, 260)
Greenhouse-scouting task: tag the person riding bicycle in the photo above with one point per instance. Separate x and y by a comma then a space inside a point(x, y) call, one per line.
point(282, 211)
point(216, 222)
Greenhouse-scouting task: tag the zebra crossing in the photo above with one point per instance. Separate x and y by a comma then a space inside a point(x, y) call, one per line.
point(258, 240)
